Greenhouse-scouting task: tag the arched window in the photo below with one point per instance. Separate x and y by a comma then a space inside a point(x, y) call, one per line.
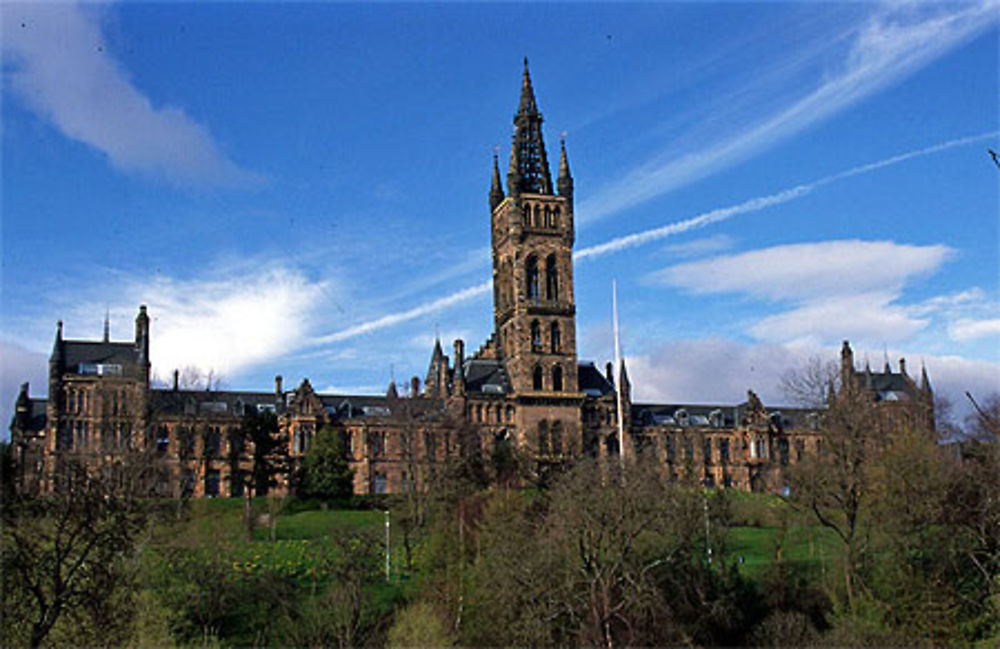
point(555, 217)
point(536, 336)
point(554, 337)
point(536, 379)
point(557, 379)
point(548, 216)
point(557, 438)
point(499, 413)
point(537, 221)
point(543, 437)
point(551, 278)
point(532, 276)
point(526, 215)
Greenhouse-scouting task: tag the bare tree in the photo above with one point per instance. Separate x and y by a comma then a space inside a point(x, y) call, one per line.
point(64, 555)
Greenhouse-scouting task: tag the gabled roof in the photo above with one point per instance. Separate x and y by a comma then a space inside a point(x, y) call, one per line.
point(85, 352)
point(591, 381)
point(211, 402)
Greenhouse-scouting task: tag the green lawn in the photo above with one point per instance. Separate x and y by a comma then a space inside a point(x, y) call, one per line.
point(808, 546)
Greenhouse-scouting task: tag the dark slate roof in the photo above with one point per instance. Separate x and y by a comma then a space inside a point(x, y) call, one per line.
point(486, 376)
point(653, 414)
point(887, 386)
point(211, 402)
point(76, 352)
point(354, 406)
point(36, 415)
point(716, 416)
point(591, 381)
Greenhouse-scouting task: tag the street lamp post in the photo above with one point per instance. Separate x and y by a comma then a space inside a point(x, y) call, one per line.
point(387, 545)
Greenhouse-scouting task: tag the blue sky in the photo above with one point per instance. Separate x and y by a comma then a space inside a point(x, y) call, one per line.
point(302, 188)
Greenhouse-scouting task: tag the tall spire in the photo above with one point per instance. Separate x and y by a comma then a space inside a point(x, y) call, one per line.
point(565, 181)
point(529, 166)
point(107, 325)
point(496, 189)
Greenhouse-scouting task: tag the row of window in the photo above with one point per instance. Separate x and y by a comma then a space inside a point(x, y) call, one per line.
point(82, 435)
point(79, 401)
point(487, 414)
point(556, 379)
point(550, 438)
point(555, 337)
point(540, 216)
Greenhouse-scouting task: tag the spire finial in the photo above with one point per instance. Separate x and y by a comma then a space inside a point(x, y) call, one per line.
point(565, 182)
point(529, 166)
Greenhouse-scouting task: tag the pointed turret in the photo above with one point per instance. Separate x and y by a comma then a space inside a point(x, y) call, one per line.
point(392, 393)
point(565, 181)
point(57, 347)
point(142, 334)
point(107, 325)
point(496, 188)
point(846, 365)
point(925, 383)
point(529, 166)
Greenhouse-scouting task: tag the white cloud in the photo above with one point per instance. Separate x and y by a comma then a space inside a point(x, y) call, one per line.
point(56, 61)
point(699, 247)
point(839, 288)
point(808, 270)
point(721, 371)
point(226, 322)
point(970, 329)
point(892, 43)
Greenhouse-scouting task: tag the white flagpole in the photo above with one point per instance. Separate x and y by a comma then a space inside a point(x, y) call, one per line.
point(618, 377)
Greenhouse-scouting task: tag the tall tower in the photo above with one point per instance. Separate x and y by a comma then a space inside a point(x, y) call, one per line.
point(532, 241)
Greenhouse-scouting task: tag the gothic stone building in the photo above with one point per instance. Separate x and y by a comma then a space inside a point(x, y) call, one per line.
point(524, 387)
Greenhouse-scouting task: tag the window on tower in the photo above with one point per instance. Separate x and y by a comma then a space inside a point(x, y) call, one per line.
point(536, 336)
point(555, 338)
point(557, 378)
point(536, 379)
point(532, 275)
point(551, 278)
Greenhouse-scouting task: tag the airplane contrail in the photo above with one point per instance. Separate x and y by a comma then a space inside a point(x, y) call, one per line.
point(646, 236)
point(761, 202)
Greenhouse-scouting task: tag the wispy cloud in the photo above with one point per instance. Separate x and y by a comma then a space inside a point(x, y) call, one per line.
point(404, 316)
point(699, 247)
point(893, 42)
point(56, 61)
point(838, 288)
point(762, 202)
point(971, 329)
point(648, 236)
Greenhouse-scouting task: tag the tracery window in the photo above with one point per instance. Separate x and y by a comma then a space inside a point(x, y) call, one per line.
point(536, 336)
point(551, 278)
point(532, 278)
point(557, 378)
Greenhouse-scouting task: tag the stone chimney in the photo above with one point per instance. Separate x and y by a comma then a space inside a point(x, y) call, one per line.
point(277, 386)
point(415, 387)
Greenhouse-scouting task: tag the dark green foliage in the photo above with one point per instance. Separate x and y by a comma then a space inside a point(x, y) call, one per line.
point(67, 571)
point(325, 472)
point(259, 431)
